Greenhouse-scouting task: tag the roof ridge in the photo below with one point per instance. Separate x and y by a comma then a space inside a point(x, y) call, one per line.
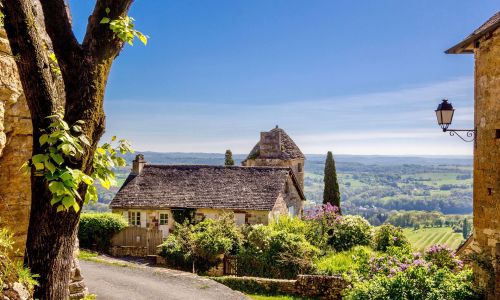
point(168, 166)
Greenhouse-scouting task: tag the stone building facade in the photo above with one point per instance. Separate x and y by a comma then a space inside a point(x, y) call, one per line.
point(276, 149)
point(255, 195)
point(484, 243)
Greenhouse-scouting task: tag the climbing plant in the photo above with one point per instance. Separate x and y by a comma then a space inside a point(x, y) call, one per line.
point(62, 144)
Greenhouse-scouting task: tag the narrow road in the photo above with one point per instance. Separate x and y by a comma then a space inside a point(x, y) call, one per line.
point(138, 282)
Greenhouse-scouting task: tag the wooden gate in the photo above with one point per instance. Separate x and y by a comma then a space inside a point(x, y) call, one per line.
point(230, 265)
point(137, 241)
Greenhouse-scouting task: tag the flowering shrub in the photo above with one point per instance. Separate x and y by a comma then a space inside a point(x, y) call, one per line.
point(387, 236)
point(443, 257)
point(348, 232)
point(417, 283)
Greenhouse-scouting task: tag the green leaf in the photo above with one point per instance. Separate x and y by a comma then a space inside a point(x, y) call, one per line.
point(106, 184)
point(142, 38)
point(105, 20)
point(76, 207)
point(57, 158)
point(39, 158)
point(50, 166)
point(87, 179)
point(43, 139)
point(68, 201)
point(84, 139)
point(60, 208)
point(107, 10)
point(57, 187)
point(39, 166)
point(55, 200)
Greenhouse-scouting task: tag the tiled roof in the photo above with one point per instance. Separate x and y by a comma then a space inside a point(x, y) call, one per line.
point(464, 46)
point(289, 150)
point(202, 186)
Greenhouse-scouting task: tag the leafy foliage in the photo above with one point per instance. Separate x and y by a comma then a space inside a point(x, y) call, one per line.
point(123, 27)
point(417, 282)
point(62, 144)
point(13, 271)
point(344, 262)
point(96, 229)
point(203, 244)
point(350, 231)
point(387, 236)
point(274, 251)
point(443, 257)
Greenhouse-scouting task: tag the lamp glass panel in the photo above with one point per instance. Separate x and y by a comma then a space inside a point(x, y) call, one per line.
point(439, 117)
point(447, 116)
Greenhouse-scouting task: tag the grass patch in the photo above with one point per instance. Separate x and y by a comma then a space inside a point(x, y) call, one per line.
point(274, 297)
point(94, 257)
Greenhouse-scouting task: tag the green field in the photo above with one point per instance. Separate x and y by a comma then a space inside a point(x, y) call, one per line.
point(422, 239)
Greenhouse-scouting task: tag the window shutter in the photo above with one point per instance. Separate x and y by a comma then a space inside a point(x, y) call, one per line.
point(125, 215)
point(143, 219)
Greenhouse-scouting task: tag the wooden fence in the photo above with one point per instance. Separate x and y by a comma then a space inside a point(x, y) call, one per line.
point(136, 241)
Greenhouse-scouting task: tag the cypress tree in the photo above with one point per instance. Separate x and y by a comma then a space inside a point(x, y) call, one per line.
point(465, 229)
point(228, 161)
point(331, 193)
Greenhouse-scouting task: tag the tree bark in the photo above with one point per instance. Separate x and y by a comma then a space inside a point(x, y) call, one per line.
point(84, 71)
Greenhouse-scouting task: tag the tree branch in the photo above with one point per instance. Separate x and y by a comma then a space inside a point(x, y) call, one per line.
point(58, 27)
point(32, 59)
point(99, 40)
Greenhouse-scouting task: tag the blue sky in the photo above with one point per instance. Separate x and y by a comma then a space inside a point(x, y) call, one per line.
point(354, 77)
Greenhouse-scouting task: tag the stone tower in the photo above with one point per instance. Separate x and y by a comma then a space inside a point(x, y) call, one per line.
point(277, 149)
point(484, 43)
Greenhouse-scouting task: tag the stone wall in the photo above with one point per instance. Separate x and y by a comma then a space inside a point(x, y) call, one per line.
point(289, 197)
point(311, 286)
point(487, 150)
point(15, 148)
point(484, 244)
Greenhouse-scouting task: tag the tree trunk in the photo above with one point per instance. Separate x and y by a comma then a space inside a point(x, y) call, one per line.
point(84, 72)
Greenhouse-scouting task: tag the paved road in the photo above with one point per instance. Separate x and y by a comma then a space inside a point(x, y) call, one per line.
point(151, 283)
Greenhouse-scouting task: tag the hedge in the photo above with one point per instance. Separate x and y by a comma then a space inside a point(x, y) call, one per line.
point(97, 229)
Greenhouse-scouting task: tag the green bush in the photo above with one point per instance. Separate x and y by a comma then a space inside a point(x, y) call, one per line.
point(345, 262)
point(272, 251)
point(387, 236)
point(203, 244)
point(177, 248)
point(350, 231)
point(97, 229)
point(417, 283)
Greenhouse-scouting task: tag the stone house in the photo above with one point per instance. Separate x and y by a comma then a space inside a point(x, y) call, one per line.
point(484, 43)
point(152, 194)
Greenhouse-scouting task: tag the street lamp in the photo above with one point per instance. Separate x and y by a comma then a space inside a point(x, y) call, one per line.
point(444, 114)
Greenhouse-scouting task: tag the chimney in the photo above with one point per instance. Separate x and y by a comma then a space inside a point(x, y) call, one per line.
point(270, 144)
point(138, 164)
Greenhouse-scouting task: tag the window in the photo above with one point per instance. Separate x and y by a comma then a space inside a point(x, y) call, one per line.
point(299, 168)
point(134, 218)
point(239, 219)
point(163, 218)
point(291, 211)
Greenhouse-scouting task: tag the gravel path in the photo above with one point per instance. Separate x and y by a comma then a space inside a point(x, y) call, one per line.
point(143, 282)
